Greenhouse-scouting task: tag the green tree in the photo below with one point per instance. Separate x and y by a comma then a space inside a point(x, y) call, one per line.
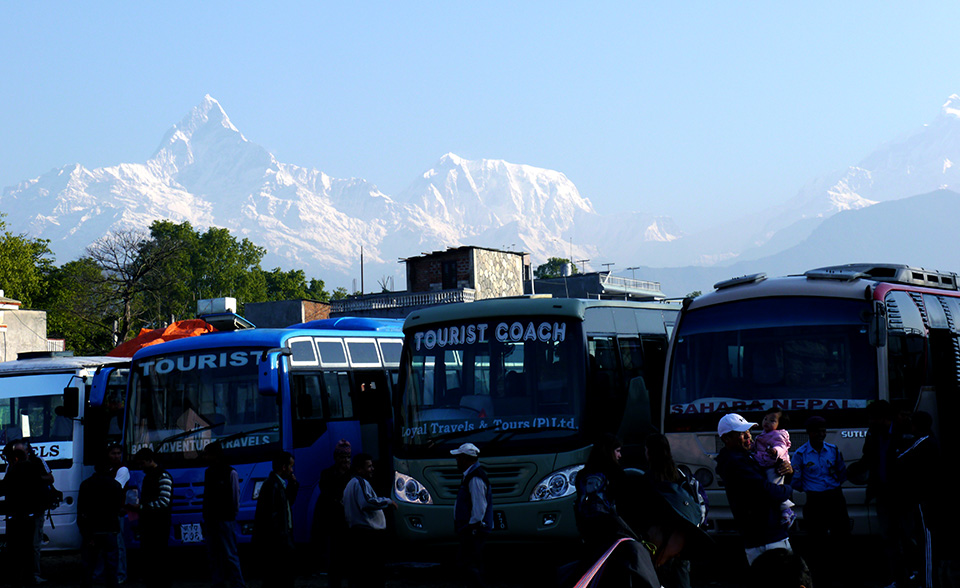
point(77, 302)
point(339, 294)
point(208, 264)
point(553, 268)
point(693, 294)
point(23, 264)
point(130, 265)
point(292, 285)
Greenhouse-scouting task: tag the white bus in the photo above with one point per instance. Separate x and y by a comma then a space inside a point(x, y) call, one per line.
point(49, 399)
point(824, 343)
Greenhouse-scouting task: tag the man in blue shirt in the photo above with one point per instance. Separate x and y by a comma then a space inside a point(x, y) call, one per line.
point(819, 471)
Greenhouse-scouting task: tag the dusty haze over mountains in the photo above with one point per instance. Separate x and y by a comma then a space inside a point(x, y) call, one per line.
point(895, 205)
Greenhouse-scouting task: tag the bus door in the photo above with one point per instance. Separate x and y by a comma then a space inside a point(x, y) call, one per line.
point(370, 392)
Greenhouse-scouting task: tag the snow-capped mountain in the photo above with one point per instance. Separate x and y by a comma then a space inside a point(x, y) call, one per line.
point(918, 163)
point(206, 172)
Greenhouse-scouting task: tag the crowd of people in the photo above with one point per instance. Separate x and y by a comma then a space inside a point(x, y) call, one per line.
point(351, 523)
point(639, 527)
point(631, 538)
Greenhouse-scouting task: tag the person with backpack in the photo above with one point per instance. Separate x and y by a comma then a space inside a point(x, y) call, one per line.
point(50, 500)
point(599, 484)
point(661, 472)
point(25, 492)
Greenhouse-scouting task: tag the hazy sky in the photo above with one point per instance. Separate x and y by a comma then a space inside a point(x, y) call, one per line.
point(696, 110)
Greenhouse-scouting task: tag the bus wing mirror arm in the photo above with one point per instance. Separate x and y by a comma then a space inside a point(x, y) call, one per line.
point(268, 368)
point(878, 324)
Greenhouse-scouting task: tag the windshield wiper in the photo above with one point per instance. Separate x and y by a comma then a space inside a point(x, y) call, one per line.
point(183, 434)
point(500, 436)
point(509, 434)
point(229, 438)
point(431, 441)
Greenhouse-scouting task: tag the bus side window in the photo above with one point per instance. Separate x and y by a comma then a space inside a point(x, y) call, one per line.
point(906, 350)
point(604, 382)
point(337, 394)
point(308, 421)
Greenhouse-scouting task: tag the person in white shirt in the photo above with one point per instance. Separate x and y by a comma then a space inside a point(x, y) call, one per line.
point(473, 512)
point(366, 526)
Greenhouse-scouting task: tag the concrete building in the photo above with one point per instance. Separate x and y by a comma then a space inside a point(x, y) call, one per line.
point(284, 313)
point(458, 274)
point(23, 330)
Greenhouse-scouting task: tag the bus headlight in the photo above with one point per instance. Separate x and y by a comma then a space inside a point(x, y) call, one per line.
point(557, 485)
point(408, 489)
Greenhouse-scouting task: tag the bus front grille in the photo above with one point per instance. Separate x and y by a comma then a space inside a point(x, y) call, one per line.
point(507, 481)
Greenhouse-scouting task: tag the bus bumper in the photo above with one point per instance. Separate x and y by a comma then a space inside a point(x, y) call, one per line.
point(548, 520)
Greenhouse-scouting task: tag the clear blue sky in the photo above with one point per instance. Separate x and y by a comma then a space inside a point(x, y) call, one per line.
point(696, 110)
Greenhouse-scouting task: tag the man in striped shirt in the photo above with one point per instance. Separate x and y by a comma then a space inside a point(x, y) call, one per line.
point(156, 493)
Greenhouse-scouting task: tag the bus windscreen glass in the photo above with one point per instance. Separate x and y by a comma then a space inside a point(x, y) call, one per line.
point(803, 355)
point(509, 384)
point(28, 410)
point(181, 403)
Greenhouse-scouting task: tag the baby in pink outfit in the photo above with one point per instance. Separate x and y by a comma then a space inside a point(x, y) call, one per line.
point(771, 446)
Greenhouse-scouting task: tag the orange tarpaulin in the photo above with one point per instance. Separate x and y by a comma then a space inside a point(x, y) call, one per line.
point(178, 330)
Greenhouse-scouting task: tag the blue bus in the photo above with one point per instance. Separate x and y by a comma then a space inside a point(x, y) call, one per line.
point(256, 392)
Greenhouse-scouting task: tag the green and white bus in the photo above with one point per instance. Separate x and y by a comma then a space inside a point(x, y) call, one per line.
point(533, 382)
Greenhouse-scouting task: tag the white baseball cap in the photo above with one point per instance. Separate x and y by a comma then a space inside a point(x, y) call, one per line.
point(734, 422)
point(466, 449)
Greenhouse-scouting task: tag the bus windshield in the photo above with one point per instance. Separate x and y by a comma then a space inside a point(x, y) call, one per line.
point(180, 403)
point(804, 355)
point(511, 384)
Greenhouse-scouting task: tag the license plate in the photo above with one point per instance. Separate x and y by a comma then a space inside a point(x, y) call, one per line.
point(499, 520)
point(191, 533)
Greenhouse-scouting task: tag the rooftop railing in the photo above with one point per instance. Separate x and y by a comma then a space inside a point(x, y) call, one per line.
point(388, 300)
point(630, 284)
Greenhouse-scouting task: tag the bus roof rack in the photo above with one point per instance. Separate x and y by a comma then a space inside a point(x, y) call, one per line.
point(747, 279)
point(887, 272)
point(43, 354)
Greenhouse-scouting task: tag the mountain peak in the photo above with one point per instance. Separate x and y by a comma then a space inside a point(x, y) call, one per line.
point(951, 108)
point(452, 159)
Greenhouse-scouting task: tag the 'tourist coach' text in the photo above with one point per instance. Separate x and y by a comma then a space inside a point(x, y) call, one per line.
point(504, 332)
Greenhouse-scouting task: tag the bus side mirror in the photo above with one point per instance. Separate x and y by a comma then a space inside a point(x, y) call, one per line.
point(877, 331)
point(268, 369)
point(98, 391)
point(71, 402)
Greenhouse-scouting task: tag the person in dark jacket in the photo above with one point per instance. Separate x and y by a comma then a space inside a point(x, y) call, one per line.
point(273, 522)
point(599, 485)
point(99, 502)
point(666, 517)
point(472, 512)
point(331, 526)
point(24, 489)
point(754, 500)
point(221, 502)
point(156, 496)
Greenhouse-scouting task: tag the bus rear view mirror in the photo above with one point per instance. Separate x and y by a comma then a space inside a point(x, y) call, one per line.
point(98, 390)
point(71, 402)
point(878, 325)
point(268, 369)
